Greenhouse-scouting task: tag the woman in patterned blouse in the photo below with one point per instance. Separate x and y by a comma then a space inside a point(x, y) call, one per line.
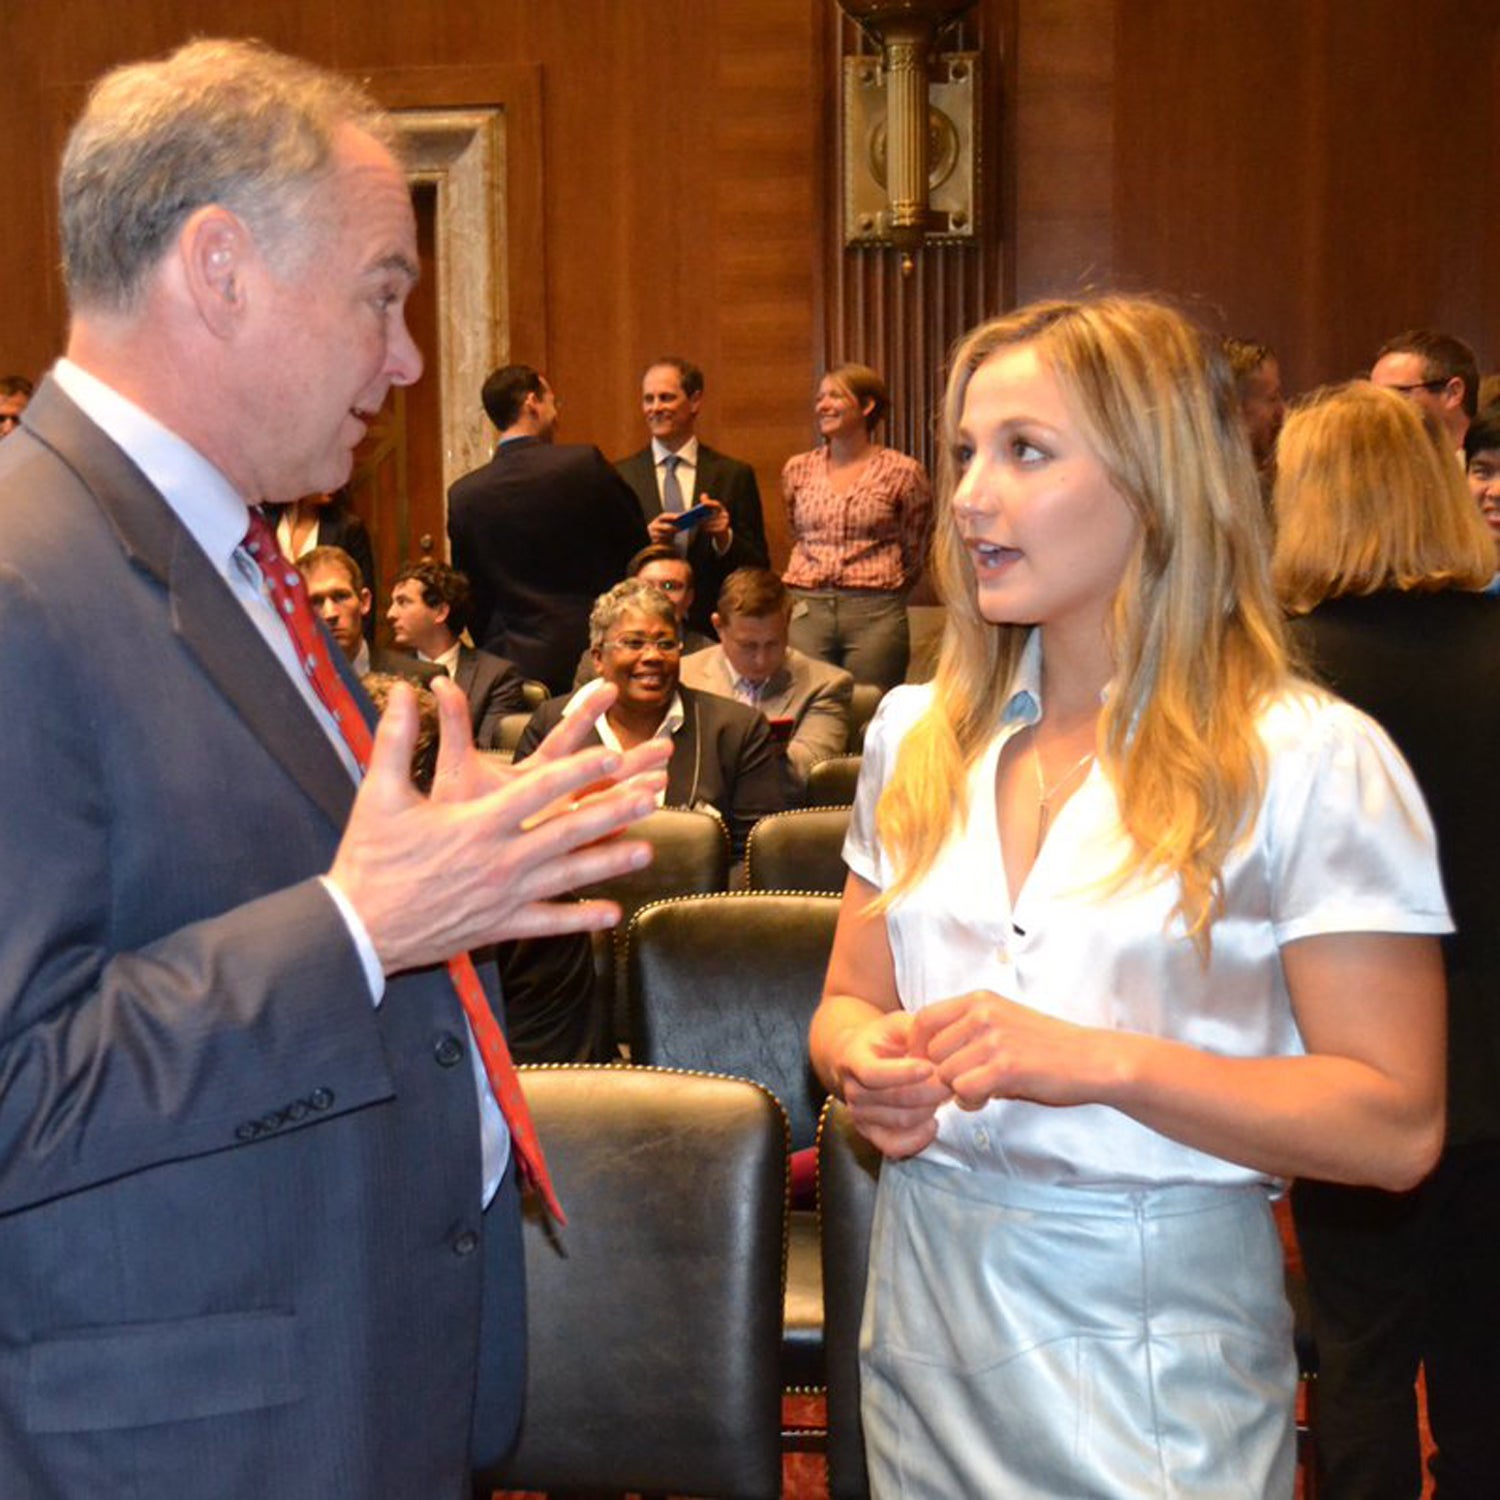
point(860, 516)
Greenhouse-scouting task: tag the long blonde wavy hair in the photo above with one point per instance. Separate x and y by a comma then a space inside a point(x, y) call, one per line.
point(1195, 634)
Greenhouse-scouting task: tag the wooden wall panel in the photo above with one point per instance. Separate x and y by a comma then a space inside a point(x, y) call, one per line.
point(1311, 171)
point(1314, 172)
point(677, 185)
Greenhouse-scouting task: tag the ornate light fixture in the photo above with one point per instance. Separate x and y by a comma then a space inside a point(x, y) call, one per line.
point(910, 147)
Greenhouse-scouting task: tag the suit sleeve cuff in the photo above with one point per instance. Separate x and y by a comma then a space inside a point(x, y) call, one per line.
point(374, 974)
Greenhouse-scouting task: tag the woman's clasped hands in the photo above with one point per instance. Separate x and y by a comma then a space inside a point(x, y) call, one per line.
point(900, 1067)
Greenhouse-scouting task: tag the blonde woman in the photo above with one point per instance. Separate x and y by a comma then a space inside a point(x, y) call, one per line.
point(1137, 925)
point(1379, 554)
point(860, 515)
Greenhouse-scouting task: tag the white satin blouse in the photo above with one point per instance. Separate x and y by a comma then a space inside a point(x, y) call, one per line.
point(1342, 843)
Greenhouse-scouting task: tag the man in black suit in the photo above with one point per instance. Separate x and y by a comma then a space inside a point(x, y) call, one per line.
point(540, 531)
point(341, 599)
point(258, 1208)
point(677, 473)
point(429, 613)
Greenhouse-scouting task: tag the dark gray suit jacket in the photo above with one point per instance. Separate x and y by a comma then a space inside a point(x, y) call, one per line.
point(494, 688)
point(235, 1197)
point(733, 484)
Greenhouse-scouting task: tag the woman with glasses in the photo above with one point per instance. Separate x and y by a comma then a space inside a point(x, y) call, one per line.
point(722, 756)
point(860, 515)
point(1137, 925)
point(1379, 553)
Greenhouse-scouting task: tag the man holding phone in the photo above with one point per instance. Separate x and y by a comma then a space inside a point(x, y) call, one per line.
point(701, 502)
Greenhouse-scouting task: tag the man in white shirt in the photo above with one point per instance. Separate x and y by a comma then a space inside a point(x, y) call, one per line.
point(339, 596)
point(429, 613)
point(258, 1207)
point(806, 701)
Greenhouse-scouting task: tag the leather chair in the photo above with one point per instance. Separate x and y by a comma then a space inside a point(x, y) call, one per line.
point(831, 782)
point(730, 983)
point(862, 705)
point(536, 694)
point(690, 857)
point(801, 850)
point(512, 727)
point(655, 1315)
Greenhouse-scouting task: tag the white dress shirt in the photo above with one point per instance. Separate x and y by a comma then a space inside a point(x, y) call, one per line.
point(1342, 843)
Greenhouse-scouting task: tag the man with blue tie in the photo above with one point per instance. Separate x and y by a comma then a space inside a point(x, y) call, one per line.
point(677, 475)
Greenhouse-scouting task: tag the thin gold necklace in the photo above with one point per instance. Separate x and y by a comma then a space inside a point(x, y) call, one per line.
point(1045, 794)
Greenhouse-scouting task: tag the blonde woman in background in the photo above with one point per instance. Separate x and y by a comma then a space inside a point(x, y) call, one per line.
point(860, 516)
point(1137, 925)
point(1379, 553)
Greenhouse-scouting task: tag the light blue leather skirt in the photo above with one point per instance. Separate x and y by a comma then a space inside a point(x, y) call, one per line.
point(1025, 1341)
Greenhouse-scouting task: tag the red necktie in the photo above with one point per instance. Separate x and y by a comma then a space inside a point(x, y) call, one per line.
point(289, 594)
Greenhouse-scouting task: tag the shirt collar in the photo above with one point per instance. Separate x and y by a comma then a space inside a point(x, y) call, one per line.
point(1024, 705)
point(447, 660)
point(213, 511)
point(672, 721)
point(688, 453)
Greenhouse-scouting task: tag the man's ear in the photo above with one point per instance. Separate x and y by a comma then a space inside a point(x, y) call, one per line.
point(1453, 392)
point(717, 621)
point(215, 250)
point(440, 614)
point(366, 599)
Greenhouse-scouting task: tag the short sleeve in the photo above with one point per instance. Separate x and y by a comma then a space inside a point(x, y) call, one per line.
point(1348, 838)
point(898, 711)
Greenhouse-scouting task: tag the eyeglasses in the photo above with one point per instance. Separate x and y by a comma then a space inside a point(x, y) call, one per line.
point(636, 645)
point(1420, 385)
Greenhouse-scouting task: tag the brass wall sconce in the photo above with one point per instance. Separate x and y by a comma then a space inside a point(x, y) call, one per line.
point(910, 140)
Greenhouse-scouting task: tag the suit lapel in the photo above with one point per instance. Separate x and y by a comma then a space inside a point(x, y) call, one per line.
point(203, 613)
point(639, 472)
point(465, 668)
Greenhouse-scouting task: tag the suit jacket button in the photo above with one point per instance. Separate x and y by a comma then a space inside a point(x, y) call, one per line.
point(448, 1051)
point(320, 1098)
point(465, 1243)
point(248, 1131)
point(295, 1110)
point(273, 1121)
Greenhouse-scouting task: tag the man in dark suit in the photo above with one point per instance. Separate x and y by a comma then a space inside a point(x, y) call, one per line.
point(340, 598)
point(429, 613)
point(677, 472)
point(540, 531)
point(258, 1214)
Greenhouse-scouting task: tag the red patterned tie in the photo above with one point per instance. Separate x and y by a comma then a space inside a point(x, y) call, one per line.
point(289, 594)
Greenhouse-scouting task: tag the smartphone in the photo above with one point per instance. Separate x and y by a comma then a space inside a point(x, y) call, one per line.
point(686, 520)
